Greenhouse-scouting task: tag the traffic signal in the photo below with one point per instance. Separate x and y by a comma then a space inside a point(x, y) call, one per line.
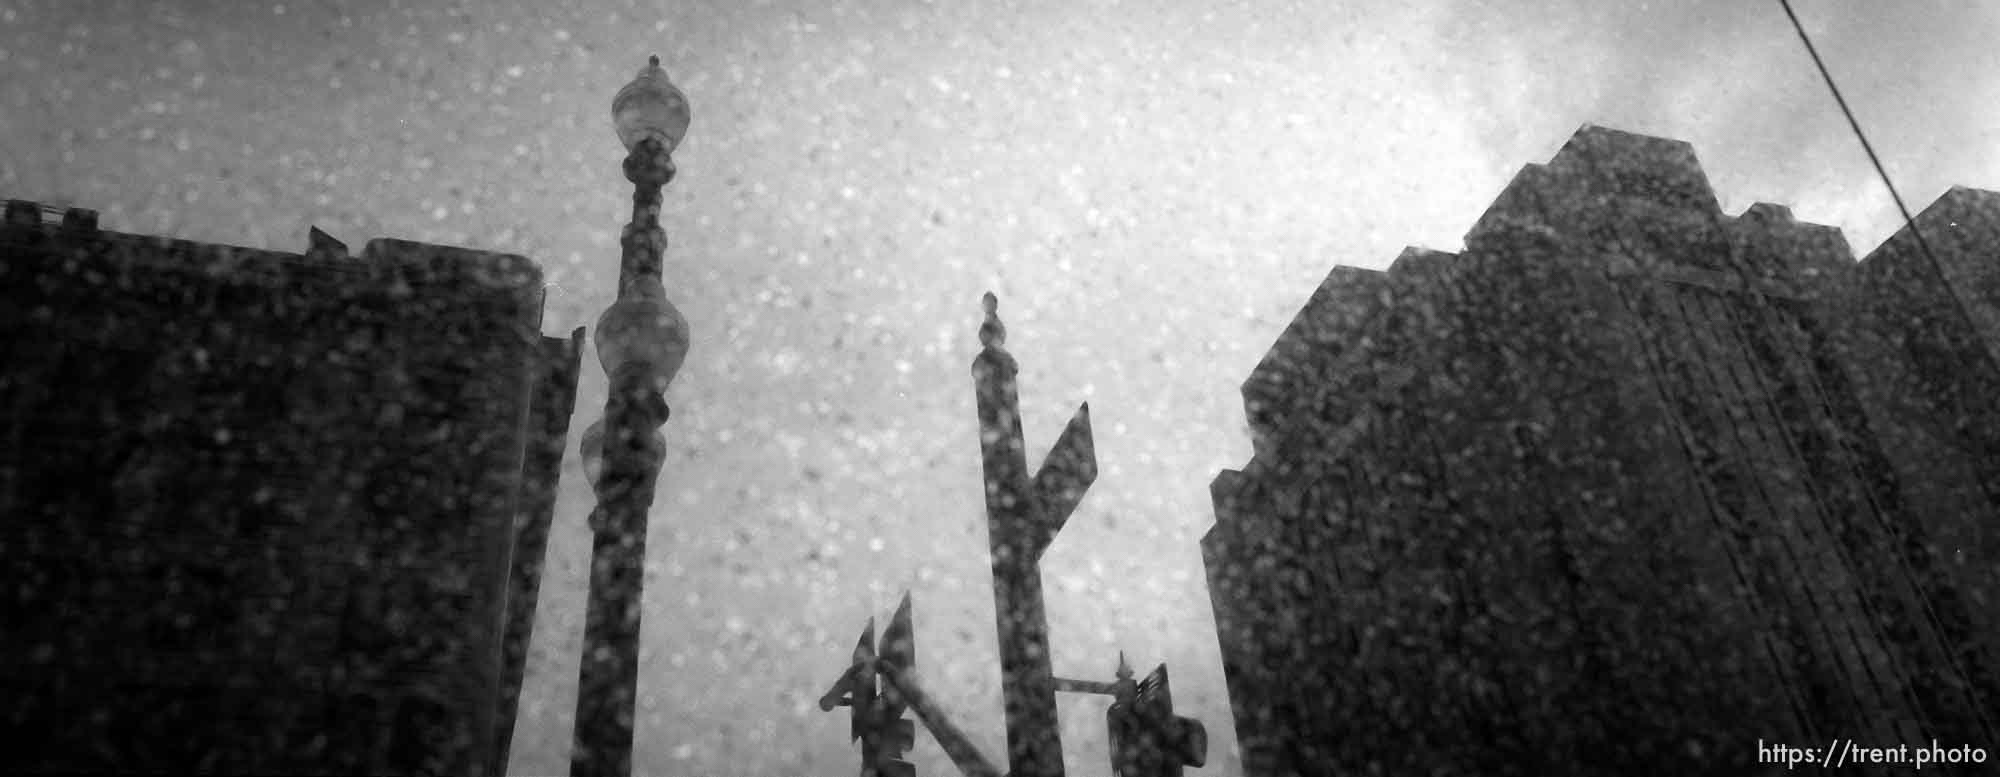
point(1126, 736)
point(1147, 739)
point(877, 715)
point(899, 651)
point(864, 696)
point(1184, 739)
point(856, 686)
point(894, 741)
point(895, 735)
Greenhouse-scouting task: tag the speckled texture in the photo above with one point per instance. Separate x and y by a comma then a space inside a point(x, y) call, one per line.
point(1598, 494)
point(1153, 189)
point(258, 507)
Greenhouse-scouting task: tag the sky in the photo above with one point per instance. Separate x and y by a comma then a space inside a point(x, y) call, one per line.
point(1151, 189)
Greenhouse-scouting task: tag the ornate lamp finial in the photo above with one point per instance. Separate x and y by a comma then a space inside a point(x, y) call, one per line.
point(992, 333)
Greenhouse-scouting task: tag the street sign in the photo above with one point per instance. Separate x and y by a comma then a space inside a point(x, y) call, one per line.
point(1066, 473)
point(899, 649)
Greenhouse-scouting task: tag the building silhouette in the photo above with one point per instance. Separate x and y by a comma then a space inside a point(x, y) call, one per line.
point(1628, 486)
point(265, 512)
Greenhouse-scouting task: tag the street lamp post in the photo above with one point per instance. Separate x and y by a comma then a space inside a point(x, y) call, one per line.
point(1024, 511)
point(641, 341)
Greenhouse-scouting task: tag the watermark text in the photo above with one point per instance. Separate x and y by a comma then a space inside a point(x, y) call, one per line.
point(1846, 752)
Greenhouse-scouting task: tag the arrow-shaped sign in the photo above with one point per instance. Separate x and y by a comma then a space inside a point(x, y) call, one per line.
point(1065, 475)
point(899, 649)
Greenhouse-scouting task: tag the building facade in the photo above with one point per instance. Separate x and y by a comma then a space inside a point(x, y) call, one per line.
point(1624, 487)
point(267, 512)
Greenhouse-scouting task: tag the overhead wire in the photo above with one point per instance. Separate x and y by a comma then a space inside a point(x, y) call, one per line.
point(1923, 246)
point(1874, 159)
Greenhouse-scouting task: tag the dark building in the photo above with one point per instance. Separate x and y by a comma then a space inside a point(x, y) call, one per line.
point(1928, 351)
point(1628, 486)
point(265, 512)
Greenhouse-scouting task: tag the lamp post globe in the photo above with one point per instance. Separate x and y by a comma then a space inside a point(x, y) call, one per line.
point(643, 330)
point(592, 448)
point(650, 107)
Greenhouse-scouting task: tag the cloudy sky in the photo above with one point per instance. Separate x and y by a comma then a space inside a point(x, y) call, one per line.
point(1152, 189)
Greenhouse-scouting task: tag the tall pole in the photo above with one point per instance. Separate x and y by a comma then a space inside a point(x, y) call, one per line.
point(641, 341)
point(1023, 514)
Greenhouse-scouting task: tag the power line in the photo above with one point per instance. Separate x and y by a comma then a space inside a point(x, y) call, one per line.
point(1858, 134)
point(1937, 268)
